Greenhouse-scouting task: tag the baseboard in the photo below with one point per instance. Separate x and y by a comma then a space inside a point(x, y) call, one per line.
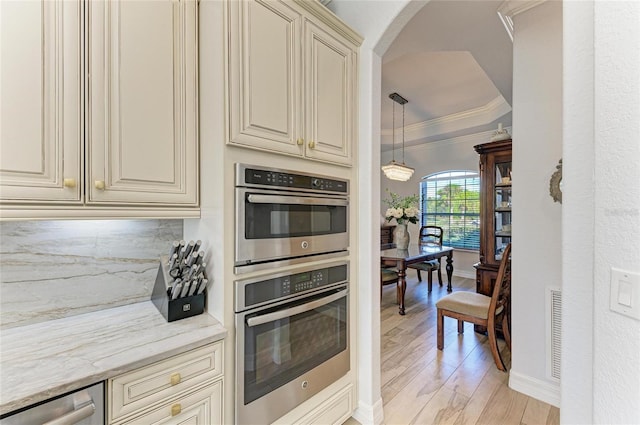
point(464, 273)
point(369, 414)
point(541, 390)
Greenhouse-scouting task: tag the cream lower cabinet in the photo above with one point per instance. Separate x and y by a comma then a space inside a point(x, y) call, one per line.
point(292, 80)
point(99, 105)
point(334, 411)
point(186, 388)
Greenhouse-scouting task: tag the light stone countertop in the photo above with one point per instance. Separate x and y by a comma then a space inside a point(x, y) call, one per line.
point(43, 360)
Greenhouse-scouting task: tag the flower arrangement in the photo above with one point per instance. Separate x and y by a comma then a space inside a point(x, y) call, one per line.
point(403, 209)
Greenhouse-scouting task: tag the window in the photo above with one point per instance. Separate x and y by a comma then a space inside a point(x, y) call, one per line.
point(451, 200)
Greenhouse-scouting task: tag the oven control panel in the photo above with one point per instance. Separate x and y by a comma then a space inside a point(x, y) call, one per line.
point(253, 176)
point(252, 293)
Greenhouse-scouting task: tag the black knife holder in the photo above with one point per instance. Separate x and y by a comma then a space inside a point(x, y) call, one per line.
point(177, 309)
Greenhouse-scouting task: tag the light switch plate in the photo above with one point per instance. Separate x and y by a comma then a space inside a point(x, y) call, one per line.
point(625, 293)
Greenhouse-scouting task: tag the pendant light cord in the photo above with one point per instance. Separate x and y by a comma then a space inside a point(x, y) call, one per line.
point(403, 133)
point(393, 132)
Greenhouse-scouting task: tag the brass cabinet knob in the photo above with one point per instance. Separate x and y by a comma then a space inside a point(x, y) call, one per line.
point(300, 142)
point(99, 184)
point(176, 409)
point(70, 183)
point(175, 379)
point(312, 144)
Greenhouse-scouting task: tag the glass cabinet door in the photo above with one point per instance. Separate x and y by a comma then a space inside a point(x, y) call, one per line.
point(502, 208)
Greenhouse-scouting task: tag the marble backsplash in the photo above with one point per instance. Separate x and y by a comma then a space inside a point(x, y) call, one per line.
point(54, 269)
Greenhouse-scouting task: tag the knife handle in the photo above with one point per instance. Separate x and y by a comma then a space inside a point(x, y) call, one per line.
point(176, 291)
point(197, 245)
point(189, 248)
point(185, 289)
point(203, 285)
point(172, 261)
point(199, 258)
point(175, 246)
point(193, 288)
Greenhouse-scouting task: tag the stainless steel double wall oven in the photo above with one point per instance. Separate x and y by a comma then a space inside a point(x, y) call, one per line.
point(292, 325)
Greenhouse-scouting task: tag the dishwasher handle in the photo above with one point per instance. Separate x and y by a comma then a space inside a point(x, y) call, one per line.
point(75, 416)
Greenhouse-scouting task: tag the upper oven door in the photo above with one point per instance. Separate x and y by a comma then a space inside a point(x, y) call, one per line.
point(272, 225)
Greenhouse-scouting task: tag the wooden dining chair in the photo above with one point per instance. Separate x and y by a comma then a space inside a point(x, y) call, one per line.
point(387, 277)
point(481, 309)
point(429, 235)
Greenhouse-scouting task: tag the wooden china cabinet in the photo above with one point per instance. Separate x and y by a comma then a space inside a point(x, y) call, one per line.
point(495, 212)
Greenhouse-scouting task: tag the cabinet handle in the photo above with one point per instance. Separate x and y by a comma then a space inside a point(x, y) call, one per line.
point(300, 142)
point(312, 145)
point(175, 379)
point(99, 184)
point(176, 409)
point(70, 183)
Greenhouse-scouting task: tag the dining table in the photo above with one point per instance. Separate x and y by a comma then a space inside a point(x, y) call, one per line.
point(391, 256)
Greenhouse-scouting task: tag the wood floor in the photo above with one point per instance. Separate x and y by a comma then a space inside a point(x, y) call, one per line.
point(458, 385)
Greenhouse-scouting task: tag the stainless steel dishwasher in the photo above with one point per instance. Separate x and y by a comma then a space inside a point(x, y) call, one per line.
point(81, 407)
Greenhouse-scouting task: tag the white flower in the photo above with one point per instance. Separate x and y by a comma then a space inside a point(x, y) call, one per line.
point(412, 211)
point(397, 212)
point(389, 213)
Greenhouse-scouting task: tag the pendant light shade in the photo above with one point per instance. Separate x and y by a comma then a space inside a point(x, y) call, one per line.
point(395, 170)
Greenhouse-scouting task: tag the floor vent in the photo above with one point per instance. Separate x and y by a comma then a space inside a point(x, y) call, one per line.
point(554, 331)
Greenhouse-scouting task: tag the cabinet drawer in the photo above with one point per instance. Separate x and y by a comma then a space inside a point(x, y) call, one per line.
point(201, 407)
point(335, 411)
point(145, 386)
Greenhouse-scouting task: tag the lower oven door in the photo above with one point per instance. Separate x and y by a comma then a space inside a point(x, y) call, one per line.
point(288, 353)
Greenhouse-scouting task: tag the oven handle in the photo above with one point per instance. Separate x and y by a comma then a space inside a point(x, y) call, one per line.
point(279, 199)
point(270, 317)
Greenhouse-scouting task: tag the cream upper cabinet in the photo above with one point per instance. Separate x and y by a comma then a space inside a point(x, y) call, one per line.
point(330, 94)
point(292, 79)
point(40, 110)
point(143, 104)
point(99, 109)
point(265, 75)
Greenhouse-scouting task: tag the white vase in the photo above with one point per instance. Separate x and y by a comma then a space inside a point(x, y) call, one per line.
point(401, 236)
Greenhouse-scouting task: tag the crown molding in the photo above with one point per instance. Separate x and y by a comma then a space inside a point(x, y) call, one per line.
point(454, 122)
point(511, 8)
point(480, 137)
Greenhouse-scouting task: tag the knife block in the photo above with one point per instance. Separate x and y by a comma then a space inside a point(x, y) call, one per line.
point(177, 309)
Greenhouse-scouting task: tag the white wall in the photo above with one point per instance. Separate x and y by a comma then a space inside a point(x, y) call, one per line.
point(601, 212)
point(616, 359)
point(577, 214)
point(378, 22)
point(537, 147)
point(429, 158)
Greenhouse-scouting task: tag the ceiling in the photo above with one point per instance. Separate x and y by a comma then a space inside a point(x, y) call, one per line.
point(453, 63)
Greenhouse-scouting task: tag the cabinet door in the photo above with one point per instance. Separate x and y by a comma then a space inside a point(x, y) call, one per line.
point(143, 102)
point(40, 82)
point(264, 75)
point(330, 95)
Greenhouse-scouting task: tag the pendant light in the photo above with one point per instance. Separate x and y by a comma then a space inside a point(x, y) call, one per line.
point(394, 170)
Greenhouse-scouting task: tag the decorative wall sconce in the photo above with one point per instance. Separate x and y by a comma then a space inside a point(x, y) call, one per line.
point(555, 183)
